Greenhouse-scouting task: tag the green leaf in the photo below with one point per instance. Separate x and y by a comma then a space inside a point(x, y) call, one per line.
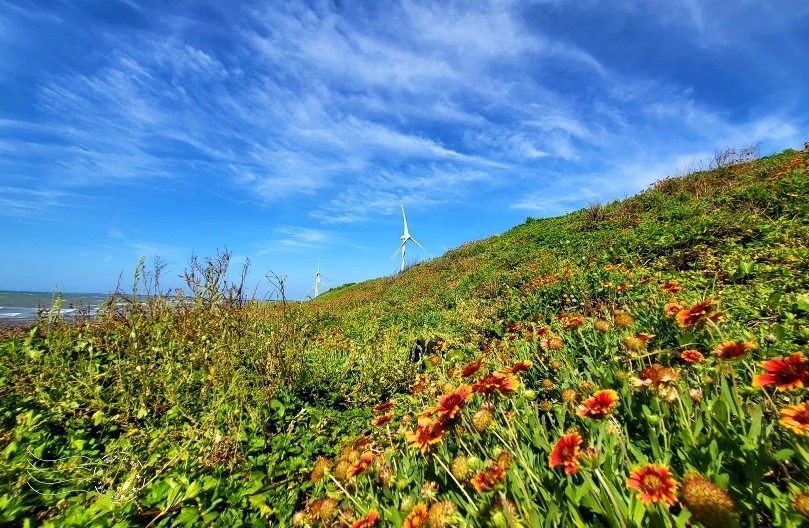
point(187, 517)
point(802, 302)
point(278, 407)
point(755, 427)
point(638, 511)
point(783, 454)
point(10, 450)
point(192, 490)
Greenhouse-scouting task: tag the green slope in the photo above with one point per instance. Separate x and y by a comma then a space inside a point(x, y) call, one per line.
point(225, 414)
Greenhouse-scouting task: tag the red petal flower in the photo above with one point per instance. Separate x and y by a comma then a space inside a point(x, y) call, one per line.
point(471, 368)
point(692, 356)
point(733, 349)
point(484, 480)
point(449, 404)
point(360, 465)
point(496, 381)
point(599, 405)
point(787, 373)
point(427, 433)
point(654, 483)
point(368, 520)
point(697, 314)
point(382, 406)
point(417, 517)
point(381, 419)
point(796, 417)
point(566, 452)
point(519, 366)
point(671, 286)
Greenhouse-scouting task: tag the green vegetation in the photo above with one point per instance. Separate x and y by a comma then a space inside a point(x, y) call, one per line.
point(638, 363)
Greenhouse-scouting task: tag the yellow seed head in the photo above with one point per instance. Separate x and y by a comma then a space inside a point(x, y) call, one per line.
point(328, 509)
point(460, 468)
point(341, 468)
point(622, 319)
point(322, 464)
point(385, 475)
point(482, 418)
point(801, 504)
point(634, 344)
point(441, 514)
point(708, 503)
point(569, 395)
point(504, 459)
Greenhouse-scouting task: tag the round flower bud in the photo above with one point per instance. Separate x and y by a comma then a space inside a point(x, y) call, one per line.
point(708, 503)
point(482, 419)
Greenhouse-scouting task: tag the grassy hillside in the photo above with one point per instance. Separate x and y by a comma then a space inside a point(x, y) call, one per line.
point(633, 363)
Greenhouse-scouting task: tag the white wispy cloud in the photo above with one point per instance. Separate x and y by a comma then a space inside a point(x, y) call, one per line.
point(26, 202)
point(298, 238)
point(442, 99)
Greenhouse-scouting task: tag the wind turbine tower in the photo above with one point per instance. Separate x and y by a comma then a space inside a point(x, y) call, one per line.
point(317, 275)
point(405, 237)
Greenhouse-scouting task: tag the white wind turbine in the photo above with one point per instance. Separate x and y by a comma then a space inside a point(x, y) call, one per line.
point(405, 237)
point(317, 275)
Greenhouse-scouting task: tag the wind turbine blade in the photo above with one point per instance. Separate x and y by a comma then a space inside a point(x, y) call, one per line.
point(417, 243)
point(404, 218)
point(399, 248)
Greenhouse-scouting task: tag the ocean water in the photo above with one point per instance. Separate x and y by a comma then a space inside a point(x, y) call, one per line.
point(19, 307)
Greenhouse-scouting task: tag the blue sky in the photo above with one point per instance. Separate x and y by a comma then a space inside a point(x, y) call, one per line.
point(287, 132)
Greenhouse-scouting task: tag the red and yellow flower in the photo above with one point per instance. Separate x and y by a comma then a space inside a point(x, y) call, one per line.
point(484, 480)
point(552, 342)
point(692, 356)
point(449, 404)
point(733, 349)
point(796, 417)
point(360, 465)
point(785, 373)
point(672, 309)
point(427, 433)
point(599, 405)
point(417, 516)
point(517, 367)
point(368, 520)
point(671, 286)
point(382, 419)
point(382, 407)
point(471, 368)
point(654, 483)
point(698, 313)
point(566, 452)
point(496, 381)
point(570, 321)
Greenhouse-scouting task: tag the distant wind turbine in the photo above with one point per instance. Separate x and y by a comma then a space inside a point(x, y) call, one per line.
point(405, 237)
point(317, 275)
